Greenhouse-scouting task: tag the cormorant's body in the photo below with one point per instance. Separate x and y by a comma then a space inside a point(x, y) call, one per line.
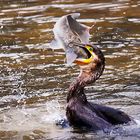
point(81, 113)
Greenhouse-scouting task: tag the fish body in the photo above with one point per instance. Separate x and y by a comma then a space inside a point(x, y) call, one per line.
point(68, 33)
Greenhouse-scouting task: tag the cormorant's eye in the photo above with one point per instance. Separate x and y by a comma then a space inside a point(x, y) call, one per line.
point(90, 49)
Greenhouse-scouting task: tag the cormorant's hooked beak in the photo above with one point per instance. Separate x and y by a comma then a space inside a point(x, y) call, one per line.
point(91, 56)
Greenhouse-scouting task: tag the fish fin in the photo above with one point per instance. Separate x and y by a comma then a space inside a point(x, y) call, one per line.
point(79, 30)
point(70, 56)
point(73, 24)
point(75, 15)
point(54, 44)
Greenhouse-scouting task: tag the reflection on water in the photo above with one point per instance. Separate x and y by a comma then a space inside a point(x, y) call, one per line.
point(34, 79)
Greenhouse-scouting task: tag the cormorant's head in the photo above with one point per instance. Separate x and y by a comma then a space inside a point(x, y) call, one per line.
point(94, 63)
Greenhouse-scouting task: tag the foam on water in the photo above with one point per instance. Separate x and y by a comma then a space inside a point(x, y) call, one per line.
point(137, 122)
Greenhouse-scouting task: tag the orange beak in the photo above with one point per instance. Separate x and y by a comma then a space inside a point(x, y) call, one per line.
point(83, 61)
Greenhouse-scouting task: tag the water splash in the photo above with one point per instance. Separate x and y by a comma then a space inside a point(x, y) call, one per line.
point(53, 112)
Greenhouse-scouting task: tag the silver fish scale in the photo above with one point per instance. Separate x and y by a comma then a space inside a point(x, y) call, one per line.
point(78, 49)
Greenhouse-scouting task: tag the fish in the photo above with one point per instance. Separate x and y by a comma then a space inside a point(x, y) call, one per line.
point(69, 35)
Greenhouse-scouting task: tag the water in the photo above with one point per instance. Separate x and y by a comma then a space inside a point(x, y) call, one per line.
point(34, 79)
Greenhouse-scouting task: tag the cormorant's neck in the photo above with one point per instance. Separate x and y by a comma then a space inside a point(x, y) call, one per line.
point(76, 89)
point(88, 75)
